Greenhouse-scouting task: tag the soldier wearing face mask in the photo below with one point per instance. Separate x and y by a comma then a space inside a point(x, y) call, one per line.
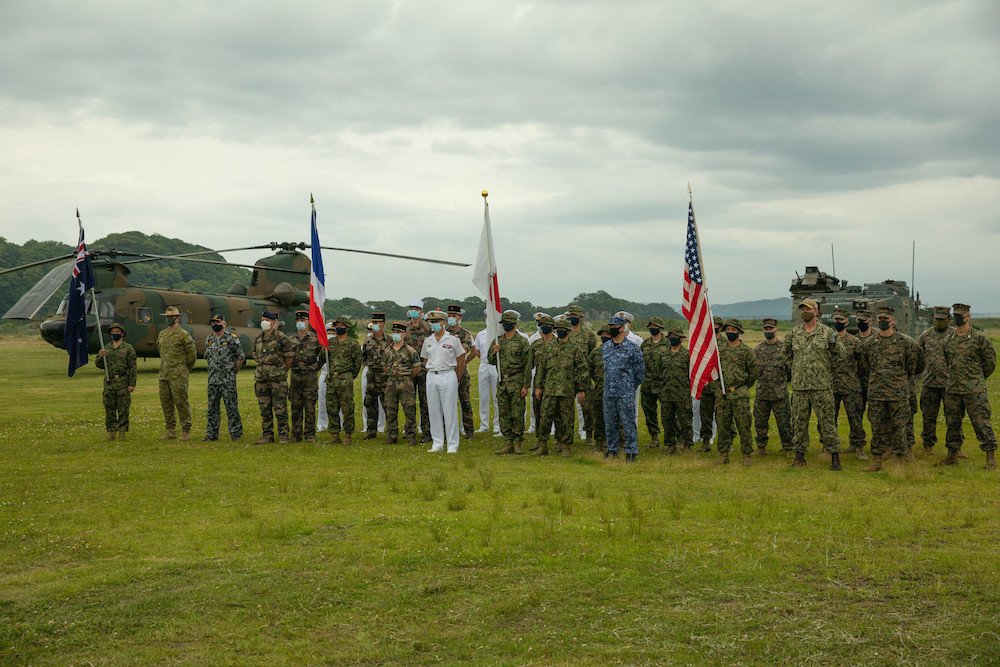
point(585, 339)
point(402, 363)
point(417, 332)
point(224, 356)
point(865, 332)
point(371, 353)
point(596, 396)
point(273, 352)
point(177, 357)
point(772, 389)
point(303, 389)
point(455, 328)
point(537, 352)
point(935, 377)
point(511, 355)
point(706, 405)
point(739, 370)
point(847, 385)
point(119, 382)
point(650, 393)
point(675, 395)
point(345, 365)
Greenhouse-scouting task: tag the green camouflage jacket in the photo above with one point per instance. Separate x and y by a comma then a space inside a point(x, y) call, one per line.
point(675, 367)
point(177, 353)
point(399, 363)
point(121, 365)
point(515, 360)
point(221, 354)
point(539, 348)
point(971, 359)
point(417, 332)
point(845, 371)
point(372, 352)
point(596, 369)
point(345, 362)
point(586, 340)
point(772, 373)
point(888, 363)
point(564, 372)
point(270, 350)
point(307, 353)
point(812, 357)
point(739, 369)
point(652, 355)
point(931, 341)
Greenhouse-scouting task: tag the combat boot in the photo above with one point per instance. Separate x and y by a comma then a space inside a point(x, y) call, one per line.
point(170, 434)
point(590, 442)
point(347, 439)
point(908, 456)
point(412, 441)
point(800, 460)
point(264, 440)
point(111, 435)
point(928, 449)
point(336, 437)
point(185, 436)
point(517, 447)
point(962, 455)
point(723, 458)
point(655, 442)
point(835, 461)
point(746, 460)
point(706, 446)
point(611, 454)
point(672, 449)
point(542, 449)
point(507, 448)
point(860, 453)
point(950, 460)
point(565, 451)
point(534, 447)
point(371, 435)
point(122, 435)
point(876, 463)
point(761, 452)
point(991, 460)
point(391, 441)
point(283, 439)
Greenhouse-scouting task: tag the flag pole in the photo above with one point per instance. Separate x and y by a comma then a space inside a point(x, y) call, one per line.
point(493, 263)
point(312, 202)
point(704, 281)
point(97, 313)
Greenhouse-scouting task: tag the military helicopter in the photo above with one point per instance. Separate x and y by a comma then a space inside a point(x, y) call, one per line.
point(279, 283)
point(831, 293)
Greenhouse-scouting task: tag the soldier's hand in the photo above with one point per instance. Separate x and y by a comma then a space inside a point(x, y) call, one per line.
point(580, 397)
point(538, 393)
point(496, 347)
point(524, 392)
point(101, 353)
point(130, 389)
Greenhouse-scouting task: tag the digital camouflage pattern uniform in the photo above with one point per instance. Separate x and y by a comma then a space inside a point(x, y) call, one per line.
point(562, 374)
point(372, 352)
point(400, 392)
point(772, 395)
point(971, 359)
point(465, 382)
point(303, 387)
point(675, 398)
point(918, 370)
point(934, 381)
point(270, 349)
point(888, 362)
point(847, 391)
point(177, 357)
point(709, 393)
point(596, 397)
point(345, 366)
point(417, 332)
point(650, 394)
point(120, 363)
point(624, 370)
point(539, 348)
point(739, 371)
point(515, 374)
point(221, 354)
point(812, 356)
point(586, 340)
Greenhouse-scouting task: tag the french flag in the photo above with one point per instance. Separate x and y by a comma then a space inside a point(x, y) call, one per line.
point(317, 284)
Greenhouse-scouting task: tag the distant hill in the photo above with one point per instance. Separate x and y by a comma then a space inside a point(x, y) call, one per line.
point(779, 309)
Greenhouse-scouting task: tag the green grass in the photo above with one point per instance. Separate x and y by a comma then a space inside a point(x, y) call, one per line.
point(150, 551)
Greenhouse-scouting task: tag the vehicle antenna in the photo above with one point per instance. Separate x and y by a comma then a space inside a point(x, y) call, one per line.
point(913, 269)
point(833, 259)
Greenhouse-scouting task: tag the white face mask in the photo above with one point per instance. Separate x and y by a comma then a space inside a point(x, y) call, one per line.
point(301, 326)
point(265, 324)
point(397, 337)
point(376, 327)
point(452, 321)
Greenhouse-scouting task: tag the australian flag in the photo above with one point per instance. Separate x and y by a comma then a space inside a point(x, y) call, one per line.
point(75, 335)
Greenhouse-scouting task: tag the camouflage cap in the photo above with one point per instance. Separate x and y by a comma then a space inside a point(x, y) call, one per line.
point(267, 314)
point(655, 321)
point(885, 310)
point(942, 312)
point(736, 324)
point(302, 314)
point(769, 322)
point(171, 311)
point(116, 325)
point(510, 316)
point(961, 308)
point(840, 312)
point(540, 315)
point(545, 320)
point(717, 321)
point(377, 317)
point(574, 309)
point(217, 318)
point(673, 333)
point(603, 330)
point(808, 303)
point(399, 326)
point(342, 319)
point(863, 316)
point(562, 324)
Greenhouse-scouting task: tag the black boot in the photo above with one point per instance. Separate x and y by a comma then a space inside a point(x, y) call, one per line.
point(835, 461)
point(800, 460)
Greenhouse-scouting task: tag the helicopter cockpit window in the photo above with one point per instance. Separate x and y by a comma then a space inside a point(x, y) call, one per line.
point(144, 315)
point(107, 309)
point(63, 305)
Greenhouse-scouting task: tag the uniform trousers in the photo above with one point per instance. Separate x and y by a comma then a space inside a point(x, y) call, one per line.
point(931, 403)
point(619, 414)
point(978, 408)
point(488, 394)
point(442, 396)
point(174, 394)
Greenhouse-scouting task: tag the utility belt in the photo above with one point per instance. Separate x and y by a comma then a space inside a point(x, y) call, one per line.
point(399, 378)
point(303, 370)
point(116, 376)
point(450, 370)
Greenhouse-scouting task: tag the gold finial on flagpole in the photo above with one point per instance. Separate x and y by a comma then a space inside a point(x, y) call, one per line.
point(486, 193)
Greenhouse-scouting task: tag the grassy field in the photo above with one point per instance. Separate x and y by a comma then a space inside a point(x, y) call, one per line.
point(152, 552)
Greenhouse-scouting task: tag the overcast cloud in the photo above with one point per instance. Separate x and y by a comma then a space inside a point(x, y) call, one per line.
point(798, 124)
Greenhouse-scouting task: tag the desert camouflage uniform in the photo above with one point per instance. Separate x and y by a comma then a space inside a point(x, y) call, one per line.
point(539, 348)
point(847, 390)
point(221, 354)
point(596, 397)
point(772, 395)
point(303, 388)
point(739, 371)
point(400, 392)
point(417, 332)
point(371, 354)
point(465, 382)
point(561, 376)
point(935, 380)
point(624, 370)
point(271, 381)
point(652, 387)
point(675, 398)
point(888, 362)
point(515, 374)
point(177, 357)
point(121, 375)
point(971, 359)
point(812, 358)
point(345, 365)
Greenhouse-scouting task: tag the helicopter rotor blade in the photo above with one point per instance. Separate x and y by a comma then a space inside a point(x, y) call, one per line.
point(389, 254)
point(32, 301)
point(200, 252)
point(38, 263)
point(213, 261)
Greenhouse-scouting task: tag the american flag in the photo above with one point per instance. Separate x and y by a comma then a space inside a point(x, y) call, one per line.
point(704, 361)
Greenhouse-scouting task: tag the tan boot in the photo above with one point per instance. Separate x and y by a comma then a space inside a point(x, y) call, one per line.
point(506, 448)
point(111, 435)
point(337, 438)
point(875, 465)
point(723, 458)
point(347, 439)
point(991, 460)
point(517, 447)
point(746, 460)
point(185, 436)
point(264, 440)
point(170, 434)
point(122, 435)
point(962, 455)
point(860, 454)
point(565, 451)
point(542, 450)
point(949, 460)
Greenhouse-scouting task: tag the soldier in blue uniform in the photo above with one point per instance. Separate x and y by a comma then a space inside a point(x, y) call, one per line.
point(624, 369)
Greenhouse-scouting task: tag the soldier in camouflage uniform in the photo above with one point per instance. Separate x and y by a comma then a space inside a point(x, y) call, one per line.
point(224, 356)
point(847, 385)
point(772, 389)
point(511, 354)
point(345, 365)
point(562, 376)
point(596, 395)
point(371, 354)
point(416, 333)
point(177, 357)
point(402, 364)
point(119, 382)
point(935, 378)
point(273, 352)
point(675, 396)
point(887, 361)
point(709, 393)
point(918, 370)
point(650, 393)
point(455, 328)
point(303, 388)
point(865, 332)
point(586, 340)
point(812, 350)
point(739, 372)
point(538, 349)
point(624, 370)
point(971, 359)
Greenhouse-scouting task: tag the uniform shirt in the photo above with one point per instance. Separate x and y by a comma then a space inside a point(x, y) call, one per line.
point(971, 359)
point(739, 369)
point(888, 362)
point(307, 353)
point(483, 344)
point(676, 374)
point(441, 355)
point(345, 361)
point(221, 354)
point(652, 354)
point(372, 351)
point(121, 365)
point(270, 350)
point(845, 371)
point(772, 373)
point(177, 353)
point(515, 360)
point(417, 332)
point(564, 371)
point(812, 357)
point(624, 368)
point(399, 363)
point(932, 342)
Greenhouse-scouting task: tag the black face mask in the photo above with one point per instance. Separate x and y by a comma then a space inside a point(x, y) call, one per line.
point(884, 325)
point(545, 329)
point(340, 331)
point(574, 320)
point(674, 342)
point(605, 339)
point(959, 319)
point(863, 326)
point(218, 327)
point(116, 336)
point(732, 335)
point(508, 326)
point(941, 325)
point(840, 326)
point(769, 335)
point(653, 331)
point(562, 333)
point(614, 331)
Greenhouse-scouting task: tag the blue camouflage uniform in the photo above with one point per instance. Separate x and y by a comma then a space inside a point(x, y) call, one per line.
point(624, 368)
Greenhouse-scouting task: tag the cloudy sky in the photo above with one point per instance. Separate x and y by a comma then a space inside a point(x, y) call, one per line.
point(798, 124)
